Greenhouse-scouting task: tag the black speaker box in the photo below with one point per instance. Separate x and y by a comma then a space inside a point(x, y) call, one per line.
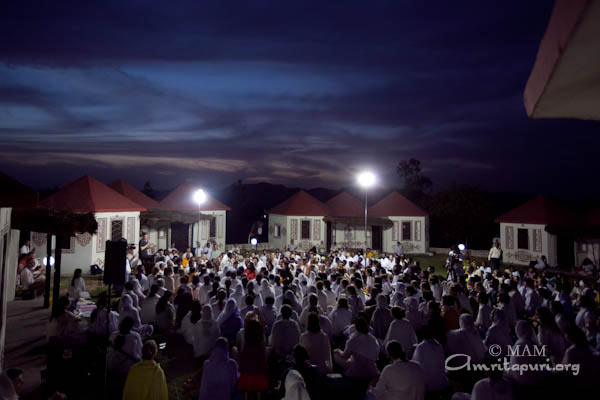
point(114, 262)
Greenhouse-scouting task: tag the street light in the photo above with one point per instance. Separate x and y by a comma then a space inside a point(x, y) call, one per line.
point(366, 180)
point(199, 198)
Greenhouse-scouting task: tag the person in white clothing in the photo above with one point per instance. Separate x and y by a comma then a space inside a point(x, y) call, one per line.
point(494, 255)
point(361, 352)
point(402, 379)
point(401, 331)
point(295, 387)
point(205, 332)
point(25, 249)
point(285, 333)
point(465, 341)
point(430, 355)
point(341, 317)
point(148, 313)
point(495, 387)
point(317, 344)
point(77, 288)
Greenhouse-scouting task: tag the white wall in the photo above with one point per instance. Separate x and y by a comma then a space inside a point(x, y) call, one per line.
point(281, 241)
point(292, 225)
point(354, 238)
point(89, 249)
point(9, 250)
point(419, 239)
point(200, 231)
point(513, 255)
point(587, 248)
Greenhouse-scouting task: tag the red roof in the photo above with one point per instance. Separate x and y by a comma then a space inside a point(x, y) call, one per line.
point(182, 199)
point(301, 203)
point(540, 210)
point(396, 205)
point(132, 193)
point(87, 194)
point(345, 205)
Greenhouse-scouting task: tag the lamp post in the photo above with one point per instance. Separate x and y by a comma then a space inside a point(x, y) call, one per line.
point(199, 198)
point(366, 180)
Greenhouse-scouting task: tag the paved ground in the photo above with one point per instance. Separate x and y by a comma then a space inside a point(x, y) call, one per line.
point(26, 328)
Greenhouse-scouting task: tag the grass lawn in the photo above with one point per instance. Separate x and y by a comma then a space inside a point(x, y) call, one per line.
point(93, 284)
point(439, 261)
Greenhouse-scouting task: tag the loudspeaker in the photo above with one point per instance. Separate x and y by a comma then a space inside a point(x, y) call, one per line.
point(114, 262)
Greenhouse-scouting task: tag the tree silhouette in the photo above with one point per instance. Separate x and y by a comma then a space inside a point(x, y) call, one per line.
point(416, 185)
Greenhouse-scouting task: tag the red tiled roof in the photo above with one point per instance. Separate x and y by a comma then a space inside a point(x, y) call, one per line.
point(540, 210)
point(345, 205)
point(87, 194)
point(301, 203)
point(182, 199)
point(14, 194)
point(132, 193)
point(394, 204)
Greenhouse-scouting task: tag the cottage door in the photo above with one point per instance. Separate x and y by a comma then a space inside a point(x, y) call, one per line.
point(377, 238)
point(180, 235)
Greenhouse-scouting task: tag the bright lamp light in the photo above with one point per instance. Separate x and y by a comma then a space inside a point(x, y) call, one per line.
point(366, 179)
point(253, 241)
point(462, 247)
point(45, 261)
point(199, 196)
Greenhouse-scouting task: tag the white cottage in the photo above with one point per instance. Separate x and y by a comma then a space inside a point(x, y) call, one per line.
point(537, 228)
point(410, 224)
point(117, 216)
point(183, 235)
point(340, 223)
point(299, 218)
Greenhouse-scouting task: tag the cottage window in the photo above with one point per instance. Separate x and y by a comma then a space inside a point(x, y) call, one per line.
point(406, 231)
point(276, 230)
point(523, 239)
point(116, 229)
point(305, 234)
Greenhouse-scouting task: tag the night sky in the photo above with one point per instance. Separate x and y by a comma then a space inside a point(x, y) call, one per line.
point(296, 92)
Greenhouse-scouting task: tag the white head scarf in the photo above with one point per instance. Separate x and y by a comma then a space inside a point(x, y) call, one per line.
point(295, 388)
point(525, 333)
point(228, 311)
point(207, 314)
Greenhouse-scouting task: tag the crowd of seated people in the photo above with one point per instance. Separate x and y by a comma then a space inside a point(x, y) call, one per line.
point(299, 325)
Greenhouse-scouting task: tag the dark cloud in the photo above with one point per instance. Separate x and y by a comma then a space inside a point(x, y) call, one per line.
point(296, 92)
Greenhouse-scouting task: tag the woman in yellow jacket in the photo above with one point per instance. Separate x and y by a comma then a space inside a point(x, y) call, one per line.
point(146, 379)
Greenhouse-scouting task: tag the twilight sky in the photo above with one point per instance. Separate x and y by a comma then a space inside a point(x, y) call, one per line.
point(295, 92)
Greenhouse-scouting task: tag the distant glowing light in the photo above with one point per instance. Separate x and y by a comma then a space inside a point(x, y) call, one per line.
point(199, 196)
point(45, 261)
point(462, 247)
point(253, 241)
point(366, 179)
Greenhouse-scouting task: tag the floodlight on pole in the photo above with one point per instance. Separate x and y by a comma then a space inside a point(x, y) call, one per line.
point(253, 242)
point(366, 180)
point(462, 247)
point(199, 196)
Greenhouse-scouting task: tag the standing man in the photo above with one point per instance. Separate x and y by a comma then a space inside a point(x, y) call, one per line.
point(495, 255)
point(399, 250)
point(292, 246)
point(144, 246)
point(25, 249)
